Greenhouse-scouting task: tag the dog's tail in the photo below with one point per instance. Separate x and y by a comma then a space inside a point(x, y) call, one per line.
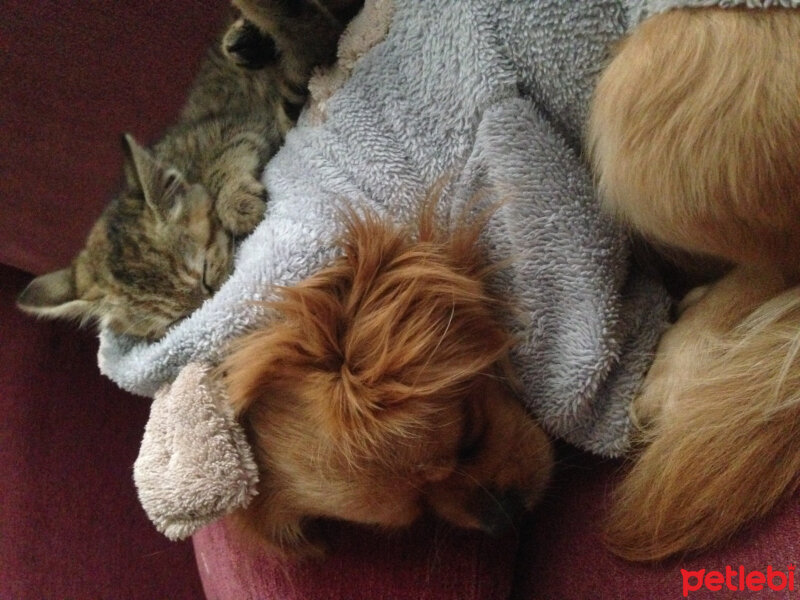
point(726, 447)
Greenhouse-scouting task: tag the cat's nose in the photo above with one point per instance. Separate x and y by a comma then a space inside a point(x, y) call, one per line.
point(198, 295)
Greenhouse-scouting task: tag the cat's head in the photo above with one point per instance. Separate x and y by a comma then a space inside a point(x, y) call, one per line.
point(156, 253)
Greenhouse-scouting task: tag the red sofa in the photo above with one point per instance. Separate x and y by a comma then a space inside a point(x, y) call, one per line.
point(73, 76)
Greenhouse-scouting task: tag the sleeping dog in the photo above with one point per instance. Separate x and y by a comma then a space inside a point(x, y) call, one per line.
point(694, 137)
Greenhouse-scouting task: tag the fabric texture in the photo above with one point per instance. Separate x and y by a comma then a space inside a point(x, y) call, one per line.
point(563, 554)
point(641, 9)
point(70, 523)
point(490, 96)
point(195, 463)
point(73, 79)
point(429, 561)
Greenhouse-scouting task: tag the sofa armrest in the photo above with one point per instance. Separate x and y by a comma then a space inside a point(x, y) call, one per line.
point(75, 76)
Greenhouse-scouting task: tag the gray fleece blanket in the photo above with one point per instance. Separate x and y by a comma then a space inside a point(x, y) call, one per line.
point(487, 95)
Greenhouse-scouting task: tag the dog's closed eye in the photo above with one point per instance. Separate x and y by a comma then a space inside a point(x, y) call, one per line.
point(473, 439)
point(378, 394)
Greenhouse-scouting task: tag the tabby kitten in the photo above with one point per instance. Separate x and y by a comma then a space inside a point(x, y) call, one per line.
point(165, 243)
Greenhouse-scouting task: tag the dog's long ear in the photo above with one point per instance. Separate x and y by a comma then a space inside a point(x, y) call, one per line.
point(398, 316)
point(417, 321)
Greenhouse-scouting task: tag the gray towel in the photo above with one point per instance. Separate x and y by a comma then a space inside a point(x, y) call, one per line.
point(488, 95)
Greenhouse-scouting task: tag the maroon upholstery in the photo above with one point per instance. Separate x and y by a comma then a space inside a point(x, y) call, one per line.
point(70, 523)
point(429, 561)
point(562, 554)
point(73, 76)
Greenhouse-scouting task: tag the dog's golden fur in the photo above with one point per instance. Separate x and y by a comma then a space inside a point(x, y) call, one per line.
point(377, 391)
point(695, 139)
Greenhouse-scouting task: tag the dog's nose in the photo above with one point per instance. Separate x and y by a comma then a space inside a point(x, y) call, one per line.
point(499, 511)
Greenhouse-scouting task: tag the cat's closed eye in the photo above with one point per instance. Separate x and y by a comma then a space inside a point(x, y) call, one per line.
point(165, 244)
point(207, 287)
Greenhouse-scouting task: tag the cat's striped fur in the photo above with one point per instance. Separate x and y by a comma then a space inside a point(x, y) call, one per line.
point(165, 242)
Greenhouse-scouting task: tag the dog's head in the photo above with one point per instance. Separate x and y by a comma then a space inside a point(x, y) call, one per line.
point(378, 392)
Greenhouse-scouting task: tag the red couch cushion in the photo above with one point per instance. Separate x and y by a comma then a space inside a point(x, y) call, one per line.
point(562, 554)
point(74, 76)
point(559, 556)
point(70, 522)
point(429, 561)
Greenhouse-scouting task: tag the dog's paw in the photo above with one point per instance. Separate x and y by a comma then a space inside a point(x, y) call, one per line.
point(247, 46)
point(679, 354)
point(241, 207)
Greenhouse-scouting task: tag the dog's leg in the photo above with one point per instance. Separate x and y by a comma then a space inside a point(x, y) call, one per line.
point(693, 135)
point(721, 407)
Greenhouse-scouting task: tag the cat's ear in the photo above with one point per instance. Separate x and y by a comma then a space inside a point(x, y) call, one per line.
point(159, 183)
point(54, 295)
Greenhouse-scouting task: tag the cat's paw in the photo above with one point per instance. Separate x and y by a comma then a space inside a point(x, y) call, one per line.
point(241, 207)
point(247, 46)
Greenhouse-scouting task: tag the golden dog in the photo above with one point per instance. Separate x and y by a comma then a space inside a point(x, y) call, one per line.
point(379, 392)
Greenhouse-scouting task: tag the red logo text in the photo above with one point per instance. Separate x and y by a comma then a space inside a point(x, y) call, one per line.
point(738, 580)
